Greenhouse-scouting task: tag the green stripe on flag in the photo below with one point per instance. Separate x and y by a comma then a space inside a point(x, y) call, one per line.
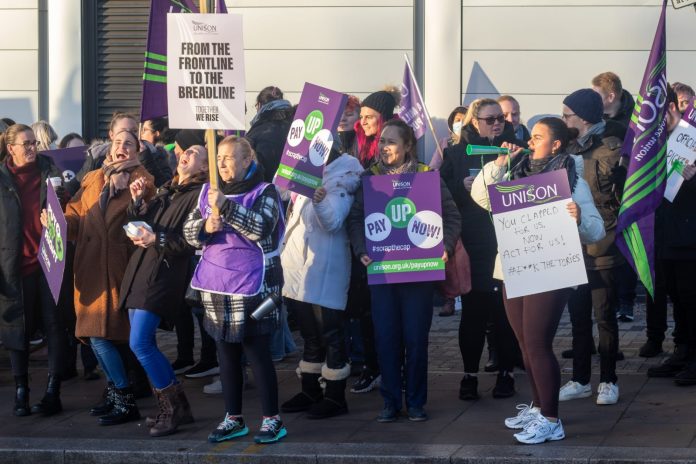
point(634, 240)
point(298, 176)
point(154, 78)
point(406, 265)
point(630, 198)
point(156, 67)
point(156, 56)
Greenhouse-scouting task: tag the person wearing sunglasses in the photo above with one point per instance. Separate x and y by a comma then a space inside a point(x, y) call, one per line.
point(484, 124)
point(25, 298)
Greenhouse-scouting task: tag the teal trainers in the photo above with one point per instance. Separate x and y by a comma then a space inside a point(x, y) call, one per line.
point(271, 431)
point(231, 427)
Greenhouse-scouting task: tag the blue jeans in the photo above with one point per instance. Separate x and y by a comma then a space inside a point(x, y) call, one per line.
point(110, 361)
point(402, 315)
point(143, 342)
point(282, 342)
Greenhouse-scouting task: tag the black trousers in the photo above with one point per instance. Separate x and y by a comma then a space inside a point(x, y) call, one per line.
point(184, 327)
point(359, 307)
point(258, 352)
point(477, 308)
point(681, 287)
point(40, 310)
point(599, 293)
point(323, 331)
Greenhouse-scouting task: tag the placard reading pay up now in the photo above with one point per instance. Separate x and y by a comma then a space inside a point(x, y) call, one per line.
point(538, 241)
point(403, 228)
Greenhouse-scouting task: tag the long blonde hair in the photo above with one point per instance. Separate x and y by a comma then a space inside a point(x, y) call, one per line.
point(475, 109)
point(44, 134)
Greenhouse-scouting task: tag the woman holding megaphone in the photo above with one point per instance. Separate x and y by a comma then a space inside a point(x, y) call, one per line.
point(484, 126)
point(534, 318)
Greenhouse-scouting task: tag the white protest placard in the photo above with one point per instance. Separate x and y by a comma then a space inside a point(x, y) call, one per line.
point(538, 241)
point(681, 150)
point(205, 71)
point(682, 3)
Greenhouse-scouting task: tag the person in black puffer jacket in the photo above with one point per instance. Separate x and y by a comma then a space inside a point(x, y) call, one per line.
point(484, 125)
point(269, 129)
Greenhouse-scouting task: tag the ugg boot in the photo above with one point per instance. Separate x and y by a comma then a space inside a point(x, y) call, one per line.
point(21, 405)
point(334, 402)
point(124, 409)
point(107, 403)
point(311, 390)
point(50, 404)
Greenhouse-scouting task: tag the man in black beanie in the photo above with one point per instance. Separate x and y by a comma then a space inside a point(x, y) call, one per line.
point(600, 156)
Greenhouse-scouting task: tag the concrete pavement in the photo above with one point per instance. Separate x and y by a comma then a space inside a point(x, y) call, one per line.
point(653, 421)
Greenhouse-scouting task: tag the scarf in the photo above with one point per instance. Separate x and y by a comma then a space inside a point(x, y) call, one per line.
point(597, 129)
point(116, 178)
point(527, 167)
point(270, 106)
point(254, 177)
point(410, 165)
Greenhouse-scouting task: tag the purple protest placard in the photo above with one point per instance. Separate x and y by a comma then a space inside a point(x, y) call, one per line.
point(310, 139)
point(538, 241)
point(412, 108)
point(52, 245)
point(403, 228)
point(68, 160)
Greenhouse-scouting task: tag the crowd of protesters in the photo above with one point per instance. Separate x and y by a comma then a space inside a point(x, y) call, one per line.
point(191, 250)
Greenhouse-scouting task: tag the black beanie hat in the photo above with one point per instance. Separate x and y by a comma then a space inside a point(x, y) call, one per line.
point(383, 102)
point(586, 104)
point(187, 138)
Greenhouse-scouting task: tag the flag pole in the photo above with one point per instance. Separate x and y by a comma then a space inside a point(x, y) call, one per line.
point(425, 108)
point(210, 139)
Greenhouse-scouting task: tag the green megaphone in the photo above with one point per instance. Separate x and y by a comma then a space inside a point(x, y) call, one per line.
point(487, 150)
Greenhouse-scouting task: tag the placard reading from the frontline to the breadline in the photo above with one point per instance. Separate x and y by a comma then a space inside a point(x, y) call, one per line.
point(205, 71)
point(538, 240)
point(403, 228)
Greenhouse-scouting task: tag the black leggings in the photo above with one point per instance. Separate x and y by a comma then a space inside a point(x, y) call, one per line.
point(40, 310)
point(477, 309)
point(534, 319)
point(323, 332)
point(258, 352)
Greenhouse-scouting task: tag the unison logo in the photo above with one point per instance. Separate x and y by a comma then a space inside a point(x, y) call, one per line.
point(400, 185)
point(324, 99)
point(203, 27)
point(525, 193)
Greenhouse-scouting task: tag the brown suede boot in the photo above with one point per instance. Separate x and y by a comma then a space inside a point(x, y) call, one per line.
point(166, 422)
point(184, 408)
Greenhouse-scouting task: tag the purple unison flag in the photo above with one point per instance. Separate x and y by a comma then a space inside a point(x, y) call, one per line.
point(68, 160)
point(310, 139)
point(403, 228)
point(645, 144)
point(52, 244)
point(412, 108)
point(154, 99)
point(220, 6)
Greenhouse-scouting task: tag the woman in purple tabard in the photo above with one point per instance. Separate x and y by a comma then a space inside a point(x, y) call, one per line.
point(240, 228)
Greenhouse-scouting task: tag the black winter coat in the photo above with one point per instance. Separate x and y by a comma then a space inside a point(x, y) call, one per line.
point(156, 278)
point(477, 232)
point(675, 225)
point(11, 298)
point(268, 136)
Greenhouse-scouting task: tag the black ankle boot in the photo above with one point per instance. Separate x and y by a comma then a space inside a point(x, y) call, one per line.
point(107, 403)
point(21, 406)
point(124, 409)
point(334, 402)
point(311, 393)
point(50, 404)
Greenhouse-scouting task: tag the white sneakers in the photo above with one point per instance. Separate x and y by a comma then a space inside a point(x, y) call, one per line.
point(607, 392)
point(540, 430)
point(573, 391)
point(527, 414)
